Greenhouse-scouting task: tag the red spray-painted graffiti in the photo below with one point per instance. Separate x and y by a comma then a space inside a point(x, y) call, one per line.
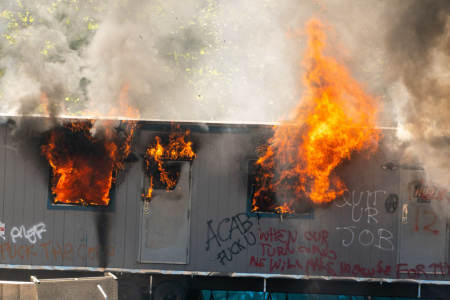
point(66, 252)
point(422, 192)
point(279, 258)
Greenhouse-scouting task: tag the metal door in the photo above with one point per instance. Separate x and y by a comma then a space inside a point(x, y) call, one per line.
point(423, 224)
point(165, 224)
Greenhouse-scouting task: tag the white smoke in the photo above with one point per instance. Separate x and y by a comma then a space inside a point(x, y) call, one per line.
point(418, 45)
point(224, 60)
point(182, 60)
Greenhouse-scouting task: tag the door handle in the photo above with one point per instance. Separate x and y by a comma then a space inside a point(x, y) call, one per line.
point(405, 214)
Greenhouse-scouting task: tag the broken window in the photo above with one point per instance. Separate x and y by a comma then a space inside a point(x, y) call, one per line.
point(161, 160)
point(265, 200)
point(84, 166)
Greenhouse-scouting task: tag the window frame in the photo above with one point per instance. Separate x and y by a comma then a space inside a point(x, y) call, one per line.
point(51, 205)
point(262, 214)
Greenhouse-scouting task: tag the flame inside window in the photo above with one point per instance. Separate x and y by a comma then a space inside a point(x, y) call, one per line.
point(335, 118)
point(84, 167)
point(159, 157)
point(267, 199)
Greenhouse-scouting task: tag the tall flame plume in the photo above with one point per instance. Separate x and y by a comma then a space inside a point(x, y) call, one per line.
point(335, 118)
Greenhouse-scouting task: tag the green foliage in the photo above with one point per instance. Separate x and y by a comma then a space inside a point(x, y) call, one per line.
point(189, 46)
point(18, 24)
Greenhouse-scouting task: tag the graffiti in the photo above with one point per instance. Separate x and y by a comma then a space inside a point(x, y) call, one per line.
point(383, 270)
point(363, 211)
point(284, 264)
point(234, 231)
point(431, 221)
point(66, 252)
point(257, 262)
point(2, 230)
point(421, 270)
point(424, 193)
point(322, 252)
point(322, 257)
point(32, 234)
point(277, 235)
point(423, 200)
point(51, 250)
point(317, 264)
point(286, 255)
point(317, 236)
point(274, 235)
point(361, 271)
point(69, 252)
point(226, 227)
point(276, 264)
point(354, 202)
point(391, 203)
point(411, 272)
point(24, 252)
point(439, 268)
point(367, 238)
point(278, 252)
point(275, 254)
point(237, 246)
point(269, 250)
point(356, 270)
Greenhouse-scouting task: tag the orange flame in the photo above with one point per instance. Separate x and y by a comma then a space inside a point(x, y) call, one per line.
point(335, 118)
point(178, 148)
point(84, 167)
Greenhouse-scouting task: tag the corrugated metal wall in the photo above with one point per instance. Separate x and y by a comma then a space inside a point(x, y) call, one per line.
point(355, 236)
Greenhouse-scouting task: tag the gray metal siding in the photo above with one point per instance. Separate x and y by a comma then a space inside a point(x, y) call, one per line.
point(10, 203)
point(218, 194)
point(3, 205)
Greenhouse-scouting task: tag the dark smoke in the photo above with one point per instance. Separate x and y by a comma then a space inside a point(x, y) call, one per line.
point(225, 61)
point(419, 49)
point(102, 226)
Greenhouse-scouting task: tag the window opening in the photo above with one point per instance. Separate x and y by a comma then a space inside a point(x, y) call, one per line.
point(84, 166)
point(271, 203)
point(161, 160)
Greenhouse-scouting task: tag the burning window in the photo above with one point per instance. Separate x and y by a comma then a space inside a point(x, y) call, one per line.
point(84, 167)
point(336, 117)
point(161, 157)
point(265, 200)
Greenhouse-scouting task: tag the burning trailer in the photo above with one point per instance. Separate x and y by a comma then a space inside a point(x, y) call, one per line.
point(319, 204)
point(207, 231)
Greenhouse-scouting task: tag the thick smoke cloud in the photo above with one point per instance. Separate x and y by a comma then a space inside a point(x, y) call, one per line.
point(78, 58)
point(179, 60)
point(225, 60)
point(418, 45)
